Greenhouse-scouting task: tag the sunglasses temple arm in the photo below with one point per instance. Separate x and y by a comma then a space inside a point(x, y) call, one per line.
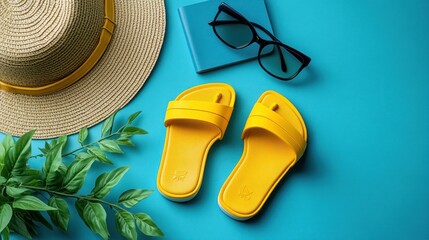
point(282, 60)
point(297, 56)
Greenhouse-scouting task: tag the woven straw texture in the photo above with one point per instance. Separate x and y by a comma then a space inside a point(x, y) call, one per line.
point(40, 41)
point(111, 84)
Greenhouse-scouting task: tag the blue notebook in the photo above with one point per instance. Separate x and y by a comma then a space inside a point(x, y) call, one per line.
point(207, 51)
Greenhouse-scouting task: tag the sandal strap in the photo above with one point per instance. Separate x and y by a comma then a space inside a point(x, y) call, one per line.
point(214, 113)
point(264, 118)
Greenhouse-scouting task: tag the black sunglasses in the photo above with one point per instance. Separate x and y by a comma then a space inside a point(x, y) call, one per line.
point(276, 58)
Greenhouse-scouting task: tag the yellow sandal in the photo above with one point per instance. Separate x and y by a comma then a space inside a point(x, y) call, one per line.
point(275, 137)
point(195, 120)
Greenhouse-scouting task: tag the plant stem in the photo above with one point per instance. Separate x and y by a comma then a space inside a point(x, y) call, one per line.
point(90, 144)
point(84, 146)
point(112, 205)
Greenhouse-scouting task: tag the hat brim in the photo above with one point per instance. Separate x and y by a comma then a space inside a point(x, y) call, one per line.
point(110, 85)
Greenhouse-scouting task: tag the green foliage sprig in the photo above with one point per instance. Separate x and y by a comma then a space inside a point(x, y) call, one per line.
point(25, 192)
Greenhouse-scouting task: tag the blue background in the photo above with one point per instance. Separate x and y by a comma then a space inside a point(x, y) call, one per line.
point(364, 98)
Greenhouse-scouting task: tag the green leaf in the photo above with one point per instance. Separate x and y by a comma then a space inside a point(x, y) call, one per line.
point(106, 181)
point(63, 140)
point(2, 155)
point(13, 181)
point(76, 174)
point(61, 217)
point(83, 155)
point(106, 128)
point(62, 169)
point(52, 163)
point(131, 197)
point(80, 205)
point(47, 146)
point(83, 134)
point(35, 183)
point(110, 146)
point(133, 131)
point(99, 155)
point(17, 157)
point(146, 225)
point(44, 151)
point(17, 192)
point(53, 143)
point(125, 225)
point(124, 141)
point(19, 225)
point(31, 203)
point(95, 216)
point(6, 233)
point(57, 181)
point(133, 116)
point(28, 175)
point(8, 142)
point(5, 215)
point(7, 164)
point(2, 179)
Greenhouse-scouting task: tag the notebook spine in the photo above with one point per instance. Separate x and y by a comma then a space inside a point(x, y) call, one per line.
point(189, 38)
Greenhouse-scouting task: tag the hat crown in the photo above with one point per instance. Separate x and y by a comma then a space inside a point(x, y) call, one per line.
point(43, 41)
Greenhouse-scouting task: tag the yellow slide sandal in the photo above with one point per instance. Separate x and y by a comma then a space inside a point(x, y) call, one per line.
point(275, 137)
point(195, 120)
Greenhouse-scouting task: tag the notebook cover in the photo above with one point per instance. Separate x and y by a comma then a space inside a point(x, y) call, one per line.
point(207, 51)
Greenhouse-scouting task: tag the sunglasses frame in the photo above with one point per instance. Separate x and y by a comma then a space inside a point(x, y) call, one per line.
point(301, 57)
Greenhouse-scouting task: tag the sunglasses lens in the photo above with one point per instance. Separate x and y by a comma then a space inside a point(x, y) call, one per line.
point(232, 31)
point(280, 62)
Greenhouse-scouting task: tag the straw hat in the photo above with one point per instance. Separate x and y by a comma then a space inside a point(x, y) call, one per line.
point(66, 64)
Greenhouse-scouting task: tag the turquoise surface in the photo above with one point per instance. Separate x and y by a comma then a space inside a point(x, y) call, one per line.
point(364, 98)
